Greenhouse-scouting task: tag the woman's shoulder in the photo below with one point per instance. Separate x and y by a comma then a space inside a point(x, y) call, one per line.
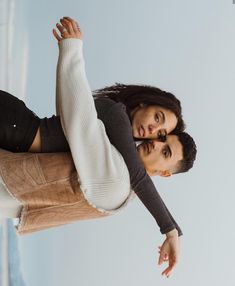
point(106, 107)
point(107, 102)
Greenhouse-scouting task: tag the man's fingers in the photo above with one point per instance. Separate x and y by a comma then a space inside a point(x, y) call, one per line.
point(68, 18)
point(68, 25)
point(56, 35)
point(74, 24)
point(61, 28)
point(67, 28)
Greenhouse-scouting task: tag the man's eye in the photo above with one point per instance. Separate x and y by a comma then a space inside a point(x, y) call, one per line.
point(165, 153)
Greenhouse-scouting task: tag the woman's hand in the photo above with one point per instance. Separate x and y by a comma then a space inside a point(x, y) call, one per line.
point(68, 28)
point(169, 252)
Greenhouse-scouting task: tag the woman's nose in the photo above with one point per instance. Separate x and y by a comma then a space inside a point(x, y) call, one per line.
point(152, 129)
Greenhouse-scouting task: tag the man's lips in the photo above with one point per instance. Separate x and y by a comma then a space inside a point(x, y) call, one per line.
point(148, 146)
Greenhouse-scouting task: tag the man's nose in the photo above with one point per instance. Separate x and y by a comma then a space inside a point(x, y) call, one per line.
point(156, 144)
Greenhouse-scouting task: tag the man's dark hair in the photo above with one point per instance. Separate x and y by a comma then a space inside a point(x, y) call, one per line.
point(133, 95)
point(189, 152)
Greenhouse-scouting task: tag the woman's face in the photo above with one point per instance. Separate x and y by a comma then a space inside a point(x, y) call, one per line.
point(152, 121)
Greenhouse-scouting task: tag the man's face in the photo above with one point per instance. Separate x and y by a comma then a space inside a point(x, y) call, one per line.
point(161, 158)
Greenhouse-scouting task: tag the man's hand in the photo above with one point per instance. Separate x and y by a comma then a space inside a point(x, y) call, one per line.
point(68, 29)
point(169, 252)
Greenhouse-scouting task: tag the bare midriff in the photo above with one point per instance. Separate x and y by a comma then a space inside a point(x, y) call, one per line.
point(36, 145)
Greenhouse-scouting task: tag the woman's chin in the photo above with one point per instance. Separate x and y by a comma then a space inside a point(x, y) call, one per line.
point(135, 133)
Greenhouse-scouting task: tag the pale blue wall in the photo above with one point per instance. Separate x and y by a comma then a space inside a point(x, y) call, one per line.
point(186, 47)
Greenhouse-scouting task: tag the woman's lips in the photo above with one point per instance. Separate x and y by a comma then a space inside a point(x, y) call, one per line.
point(141, 131)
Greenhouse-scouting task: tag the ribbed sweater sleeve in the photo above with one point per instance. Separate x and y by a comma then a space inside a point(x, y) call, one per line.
point(90, 147)
point(119, 131)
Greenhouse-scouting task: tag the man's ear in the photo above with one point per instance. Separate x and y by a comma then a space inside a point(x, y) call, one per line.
point(165, 173)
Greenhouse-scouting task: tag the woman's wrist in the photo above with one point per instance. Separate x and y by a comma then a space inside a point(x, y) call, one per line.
point(172, 233)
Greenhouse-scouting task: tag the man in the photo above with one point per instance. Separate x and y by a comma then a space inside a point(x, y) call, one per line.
point(47, 187)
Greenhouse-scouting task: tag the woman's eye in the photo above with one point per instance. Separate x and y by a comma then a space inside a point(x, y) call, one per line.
point(161, 136)
point(157, 118)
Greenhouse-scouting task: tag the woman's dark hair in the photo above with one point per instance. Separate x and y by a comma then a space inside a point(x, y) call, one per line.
point(132, 95)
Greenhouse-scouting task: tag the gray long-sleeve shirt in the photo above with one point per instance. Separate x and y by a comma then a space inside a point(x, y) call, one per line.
point(104, 187)
point(119, 131)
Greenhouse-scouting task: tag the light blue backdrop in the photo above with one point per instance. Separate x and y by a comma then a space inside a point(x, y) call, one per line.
point(186, 47)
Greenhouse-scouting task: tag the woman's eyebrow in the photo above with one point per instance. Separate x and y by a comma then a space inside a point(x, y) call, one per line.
point(163, 116)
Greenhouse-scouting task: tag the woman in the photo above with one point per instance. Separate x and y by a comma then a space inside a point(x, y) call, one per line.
point(153, 114)
point(69, 51)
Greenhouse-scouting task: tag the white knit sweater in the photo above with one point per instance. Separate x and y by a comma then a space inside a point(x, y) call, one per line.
point(103, 175)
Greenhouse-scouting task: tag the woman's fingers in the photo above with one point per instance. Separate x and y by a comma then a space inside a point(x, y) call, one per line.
point(171, 266)
point(161, 258)
point(165, 256)
point(167, 271)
